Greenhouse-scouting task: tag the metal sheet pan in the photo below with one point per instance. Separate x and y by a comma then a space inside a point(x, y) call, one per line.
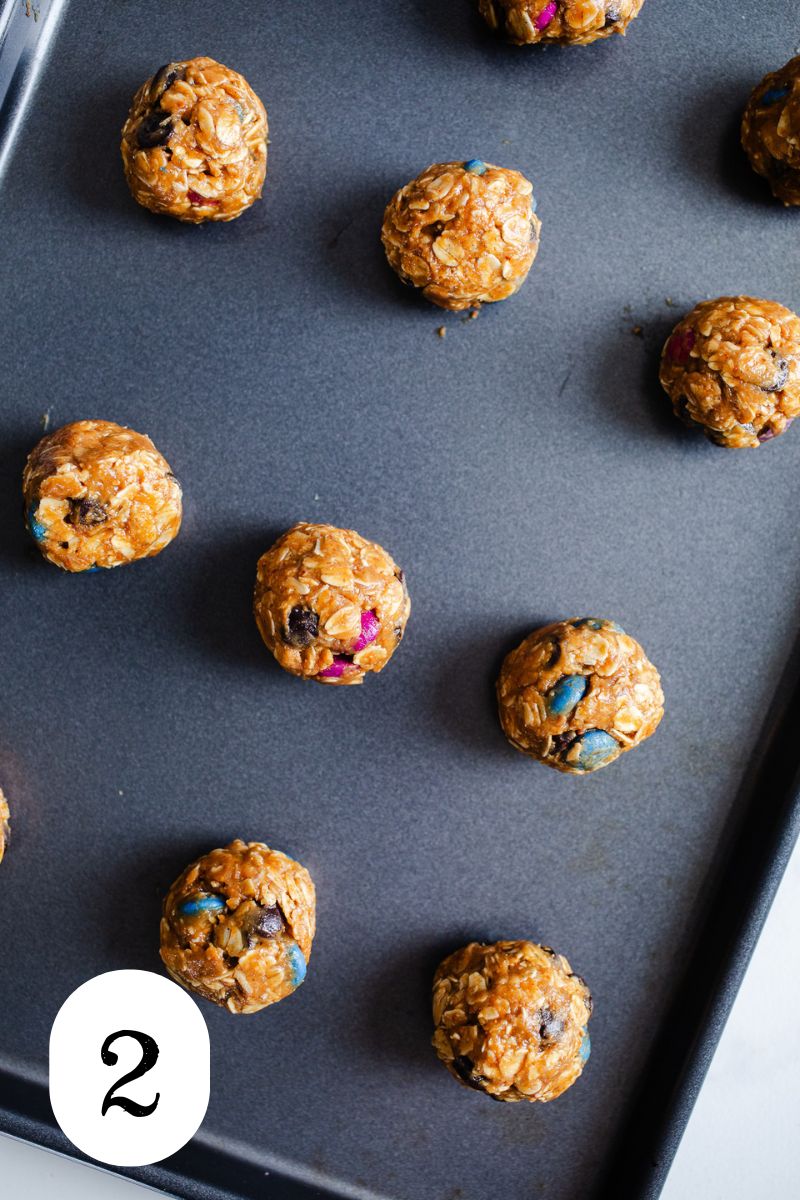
point(521, 469)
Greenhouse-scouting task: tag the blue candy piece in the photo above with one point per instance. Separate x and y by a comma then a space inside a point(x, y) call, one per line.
point(297, 963)
point(476, 166)
point(596, 623)
point(773, 96)
point(198, 904)
point(585, 1048)
point(595, 749)
point(566, 694)
point(38, 530)
point(89, 570)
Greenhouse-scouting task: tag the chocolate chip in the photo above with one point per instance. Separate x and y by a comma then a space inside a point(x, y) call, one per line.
point(87, 512)
point(613, 14)
point(782, 374)
point(563, 741)
point(269, 922)
point(398, 633)
point(551, 1027)
point(164, 78)
point(554, 656)
point(302, 626)
point(154, 129)
point(258, 921)
point(465, 1070)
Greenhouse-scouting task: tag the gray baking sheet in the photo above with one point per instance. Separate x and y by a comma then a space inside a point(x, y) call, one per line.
point(521, 469)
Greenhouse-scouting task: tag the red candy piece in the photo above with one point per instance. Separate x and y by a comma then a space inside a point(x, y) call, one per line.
point(679, 346)
point(195, 198)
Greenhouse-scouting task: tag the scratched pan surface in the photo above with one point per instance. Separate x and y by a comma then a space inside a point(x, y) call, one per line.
point(523, 468)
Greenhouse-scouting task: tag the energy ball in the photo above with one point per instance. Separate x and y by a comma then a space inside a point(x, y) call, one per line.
point(99, 495)
point(771, 131)
point(732, 368)
point(330, 605)
point(5, 825)
point(194, 145)
point(510, 1020)
point(570, 22)
point(577, 694)
point(466, 233)
point(238, 926)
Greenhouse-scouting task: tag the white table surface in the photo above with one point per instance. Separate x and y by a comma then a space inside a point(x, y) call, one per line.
point(742, 1142)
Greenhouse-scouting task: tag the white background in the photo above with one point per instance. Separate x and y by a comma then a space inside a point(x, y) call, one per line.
point(742, 1143)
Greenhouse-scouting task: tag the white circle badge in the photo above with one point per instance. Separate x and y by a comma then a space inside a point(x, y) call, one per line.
point(130, 1068)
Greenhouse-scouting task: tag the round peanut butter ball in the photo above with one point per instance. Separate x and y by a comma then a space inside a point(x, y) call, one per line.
point(731, 368)
point(577, 694)
point(330, 605)
point(464, 233)
point(566, 22)
point(238, 926)
point(194, 145)
point(510, 1020)
point(99, 495)
point(771, 131)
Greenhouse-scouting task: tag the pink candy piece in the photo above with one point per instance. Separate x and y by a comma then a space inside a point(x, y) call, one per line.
point(679, 346)
point(546, 15)
point(337, 668)
point(370, 626)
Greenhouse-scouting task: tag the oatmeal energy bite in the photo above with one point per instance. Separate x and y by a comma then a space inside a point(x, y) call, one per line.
point(330, 605)
point(732, 368)
point(571, 22)
point(510, 1020)
point(771, 131)
point(5, 825)
point(238, 926)
point(99, 495)
point(577, 694)
point(465, 233)
point(194, 145)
